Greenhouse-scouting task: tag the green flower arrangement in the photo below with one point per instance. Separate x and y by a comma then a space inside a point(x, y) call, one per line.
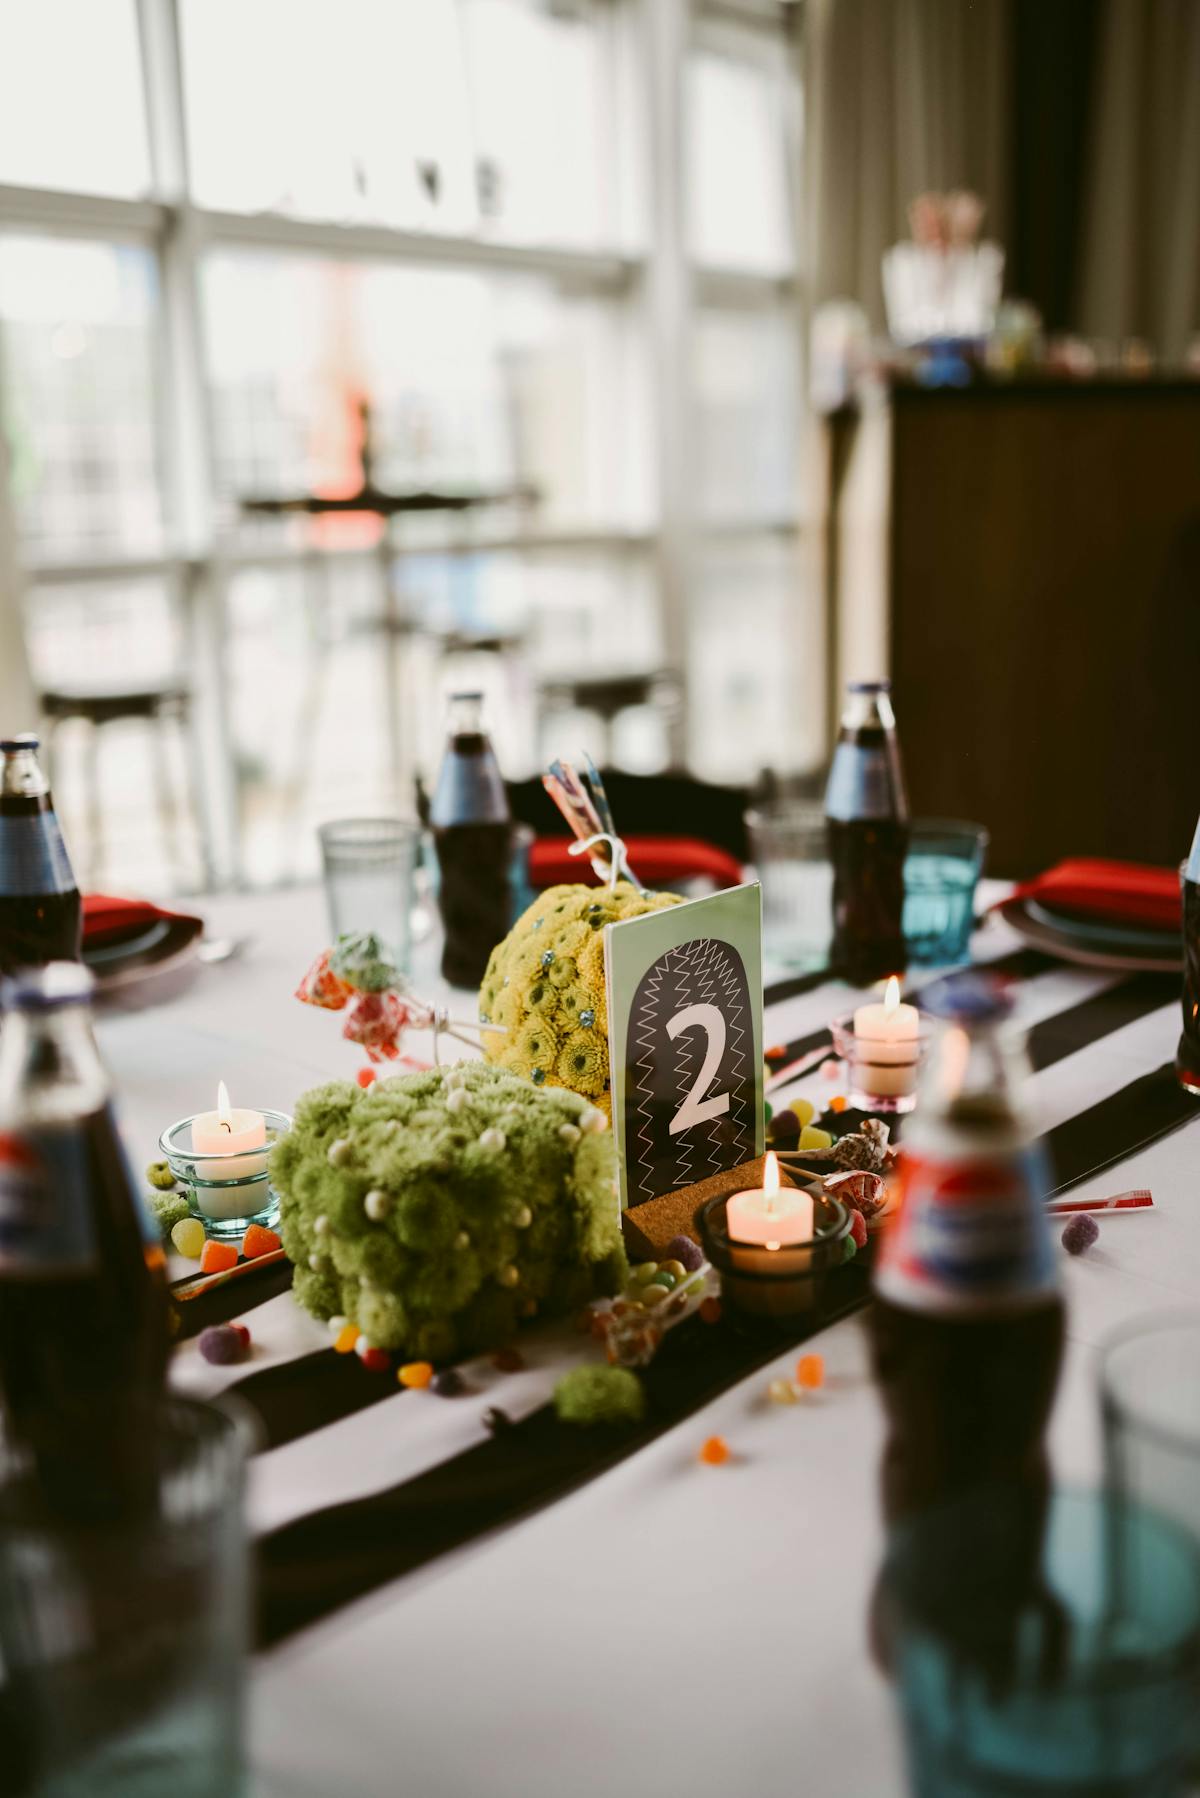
point(437, 1211)
point(544, 987)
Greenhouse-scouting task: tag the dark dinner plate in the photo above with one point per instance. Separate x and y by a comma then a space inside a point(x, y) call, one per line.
point(142, 952)
point(1093, 942)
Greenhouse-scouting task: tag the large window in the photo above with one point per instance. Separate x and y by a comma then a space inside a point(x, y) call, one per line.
point(237, 236)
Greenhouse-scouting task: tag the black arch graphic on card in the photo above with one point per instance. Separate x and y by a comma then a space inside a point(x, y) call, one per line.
point(689, 1056)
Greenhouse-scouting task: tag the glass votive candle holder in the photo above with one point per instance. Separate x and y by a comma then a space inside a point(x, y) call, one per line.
point(227, 1192)
point(882, 1071)
point(776, 1283)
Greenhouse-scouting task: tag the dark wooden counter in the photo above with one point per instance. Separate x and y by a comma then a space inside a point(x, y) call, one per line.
point(1027, 557)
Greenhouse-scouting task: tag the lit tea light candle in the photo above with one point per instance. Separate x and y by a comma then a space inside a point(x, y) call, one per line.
point(886, 1037)
point(771, 1216)
point(229, 1134)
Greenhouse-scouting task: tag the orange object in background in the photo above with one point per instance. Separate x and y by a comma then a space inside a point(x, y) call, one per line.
point(217, 1257)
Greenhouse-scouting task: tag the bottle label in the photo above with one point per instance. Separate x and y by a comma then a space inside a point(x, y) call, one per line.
point(1193, 862)
point(971, 1234)
point(860, 784)
point(45, 1210)
point(33, 856)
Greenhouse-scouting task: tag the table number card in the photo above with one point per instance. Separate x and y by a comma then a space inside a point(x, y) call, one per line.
point(685, 1041)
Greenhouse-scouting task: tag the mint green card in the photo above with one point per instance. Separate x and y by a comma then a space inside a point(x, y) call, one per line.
point(685, 1041)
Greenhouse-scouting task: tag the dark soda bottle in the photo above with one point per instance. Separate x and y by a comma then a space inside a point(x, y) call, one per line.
point(84, 1307)
point(1187, 1056)
point(472, 830)
point(866, 813)
point(39, 901)
point(968, 1321)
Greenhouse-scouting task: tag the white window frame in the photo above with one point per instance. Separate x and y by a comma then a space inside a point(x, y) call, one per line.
point(651, 42)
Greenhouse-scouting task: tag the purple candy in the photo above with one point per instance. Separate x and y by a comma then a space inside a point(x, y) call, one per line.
point(1080, 1234)
point(682, 1248)
point(449, 1383)
point(222, 1345)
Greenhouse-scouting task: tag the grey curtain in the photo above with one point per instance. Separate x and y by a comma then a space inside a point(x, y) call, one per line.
point(18, 708)
point(1140, 272)
point(903, 95)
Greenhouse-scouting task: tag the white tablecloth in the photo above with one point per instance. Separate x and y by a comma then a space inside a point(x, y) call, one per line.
point(669, 1626)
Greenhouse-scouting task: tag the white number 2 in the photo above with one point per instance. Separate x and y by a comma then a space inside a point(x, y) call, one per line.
point(694, 1110)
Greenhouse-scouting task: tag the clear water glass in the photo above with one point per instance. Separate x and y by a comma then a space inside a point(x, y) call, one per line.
point(941, 871)
point(123, 1641)
point(790, 850)
point(371, 879)
point(1150, 1404)
point(1085, 1685)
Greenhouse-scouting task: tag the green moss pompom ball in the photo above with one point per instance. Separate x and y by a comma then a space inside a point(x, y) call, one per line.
point(168, 1209)
point(589, 1395)
point(439, 1211)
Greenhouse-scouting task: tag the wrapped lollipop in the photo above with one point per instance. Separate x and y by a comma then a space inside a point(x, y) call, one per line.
point(358, 975)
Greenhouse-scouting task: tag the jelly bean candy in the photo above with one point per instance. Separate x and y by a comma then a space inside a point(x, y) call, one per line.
point(188, 1237)
point(1080, 1234)
point(448, 1384)
point(346, 1340)
point(366, 1077)
point(654, 1294)
point(781, 1392)
point(804, 1111)
point(812, 1138)
point(858, 1229)
point(784, 1127)
point(715, 1452)
point(217, 1257)
point(415, 1374)
point(223, 1345)
point(682, 1248)
point(259, 1241)
point(710, 1311)
point(644, 1272)
point(243, 1332)
point(375, 1360)
point(662, 1278)
point(810, 1372)
point(838, 1103)
point(676, 1269)
point(508, 1360)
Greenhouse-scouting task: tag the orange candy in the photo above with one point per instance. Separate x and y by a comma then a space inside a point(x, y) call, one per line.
point(344, 1341)
point(415, 1373)
point(258, 1240)
point(365, 1077)
point(810, 1372)
point(217, 1257)
point(710, 1311)
point(715, 1452)
point(837, 1104)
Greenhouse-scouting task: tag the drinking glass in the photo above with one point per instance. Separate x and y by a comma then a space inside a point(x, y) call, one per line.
point(123, 1637)
point(1150, 1404)
point(941, 871)
point(371, 879)
point(790, 849)
point(1081, 1684)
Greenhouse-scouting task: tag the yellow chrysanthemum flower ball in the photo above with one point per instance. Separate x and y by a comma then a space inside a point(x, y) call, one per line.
point(545, 985)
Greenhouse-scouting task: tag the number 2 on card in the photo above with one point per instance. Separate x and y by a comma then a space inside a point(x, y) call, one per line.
point(695, 1110)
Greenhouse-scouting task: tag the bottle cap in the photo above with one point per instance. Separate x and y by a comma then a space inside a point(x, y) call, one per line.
point(26, 740)
point(975, 998)
point(43, 989)
point(868, 686)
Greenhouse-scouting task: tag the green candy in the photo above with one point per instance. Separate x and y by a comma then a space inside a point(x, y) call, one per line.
point(159, 1174)
point(644, 1272)
point(667, 1281)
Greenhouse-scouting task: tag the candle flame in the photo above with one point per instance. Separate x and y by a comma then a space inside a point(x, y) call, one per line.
point(891, 996)
point(224, 1109)
point(771, 1176)
point(772, 1245)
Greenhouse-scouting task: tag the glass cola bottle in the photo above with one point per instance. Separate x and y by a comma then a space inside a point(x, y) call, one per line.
point(472, 830)
point(39, 901)
point(84, 1307)
point(866, 812)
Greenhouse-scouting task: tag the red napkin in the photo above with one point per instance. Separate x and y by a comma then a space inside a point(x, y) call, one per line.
point(105, 917)
point(1124, 892)
point(657, 861)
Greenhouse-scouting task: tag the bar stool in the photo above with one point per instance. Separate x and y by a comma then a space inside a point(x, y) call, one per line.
point(161, 705)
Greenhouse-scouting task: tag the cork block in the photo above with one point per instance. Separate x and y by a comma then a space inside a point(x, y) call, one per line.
point(649, 1227)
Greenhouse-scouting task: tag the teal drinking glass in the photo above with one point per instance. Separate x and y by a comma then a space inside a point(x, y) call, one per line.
point(941, 871)
point(1071, 1675)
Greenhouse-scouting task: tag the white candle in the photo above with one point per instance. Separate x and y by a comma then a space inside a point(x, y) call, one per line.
point(771, 1216)
point(886, 1038)
point(229, 1134)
